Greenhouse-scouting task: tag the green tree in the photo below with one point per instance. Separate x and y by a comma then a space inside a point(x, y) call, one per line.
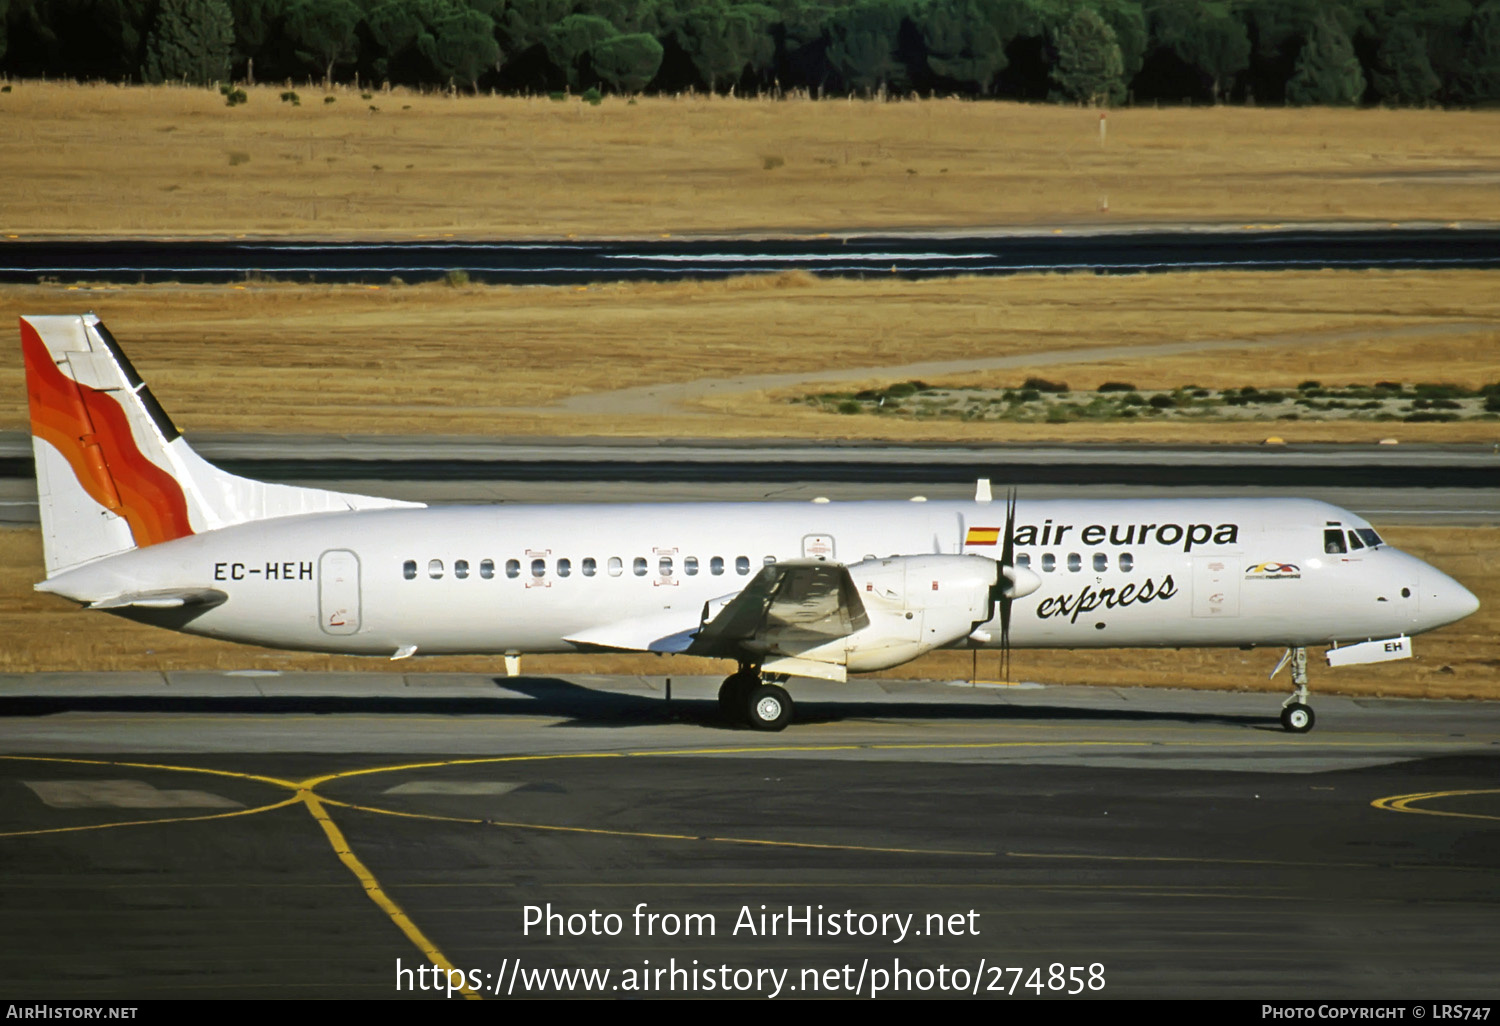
point(1206, 36)
point(1328, 73)
point(1129, 22)
point(259, 37)
point(572, 39)
point(1403, 74)
point(627, 63)
point(723, 39)
point(528, 23)
point(1481, 64)
point(433, 40)
point(966, 39)
point(1089, 65)
point(862, 48)
point(190, 42)
point(323, 31)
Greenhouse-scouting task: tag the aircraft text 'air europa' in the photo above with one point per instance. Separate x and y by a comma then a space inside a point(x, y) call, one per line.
point(1048, 533)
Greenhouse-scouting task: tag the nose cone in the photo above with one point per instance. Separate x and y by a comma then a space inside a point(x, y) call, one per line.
point(1444, 600)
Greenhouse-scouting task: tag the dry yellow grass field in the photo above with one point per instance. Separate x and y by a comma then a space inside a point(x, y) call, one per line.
point(46, 633)
point(496, 360)
point(105, 159)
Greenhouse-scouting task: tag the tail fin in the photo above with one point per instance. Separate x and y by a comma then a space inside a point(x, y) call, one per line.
point(113, 472)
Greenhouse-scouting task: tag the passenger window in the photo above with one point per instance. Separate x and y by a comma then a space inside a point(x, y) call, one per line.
point(1049, 562)
point(640, 566)
point(435, 568)
point(1354, 542)
point(409, 569)
point(564, 567)
point(1075, 562)
point(742, 565)
point(616, 566)
point(539, 568)
point(1127, 562)
point(1101, 562)
point(664, 566)
point(589, 567)
point(461, 568)
point(690, 566)
point(512, 568)
point(1023, 560)
point(716, 565)
point(1333, 541)
point(487, 568)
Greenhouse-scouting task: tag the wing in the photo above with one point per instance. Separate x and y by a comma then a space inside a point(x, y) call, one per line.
point(796, 604)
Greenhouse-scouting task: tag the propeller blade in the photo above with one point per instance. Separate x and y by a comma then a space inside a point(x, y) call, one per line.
point(1007, 560)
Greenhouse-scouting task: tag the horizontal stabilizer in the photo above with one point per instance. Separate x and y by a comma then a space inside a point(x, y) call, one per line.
point(205, 597)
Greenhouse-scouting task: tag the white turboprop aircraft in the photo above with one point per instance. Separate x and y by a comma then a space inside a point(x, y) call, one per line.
point(136, 523)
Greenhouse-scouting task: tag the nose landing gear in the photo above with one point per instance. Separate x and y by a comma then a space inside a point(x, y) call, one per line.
point(1296, 715)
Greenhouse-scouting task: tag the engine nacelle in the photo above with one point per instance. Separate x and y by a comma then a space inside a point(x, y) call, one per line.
point(917, 604)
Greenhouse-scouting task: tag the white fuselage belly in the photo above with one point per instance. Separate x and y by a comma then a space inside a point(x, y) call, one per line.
point(293, 583)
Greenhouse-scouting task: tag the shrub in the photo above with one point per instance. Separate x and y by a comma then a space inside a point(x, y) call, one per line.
point(557, 97)
point(233, 97)
point(1115, 386)
point(292, 98)
point(772, 163)
point(1427, 415)
point(330, 99)
point(1309, 384)
point(1043, 385)
point(592, 96)
point(1163, 402)
point(1492, 403)
point(1028, 395)
point(1442, 391)
point(849, 406)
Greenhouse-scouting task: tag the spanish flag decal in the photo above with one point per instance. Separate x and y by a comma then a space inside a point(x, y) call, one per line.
point(982, 536)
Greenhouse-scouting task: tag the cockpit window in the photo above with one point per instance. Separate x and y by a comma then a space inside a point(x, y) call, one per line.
point(1369, 536)
point(1354, 542)
point(1333, 541)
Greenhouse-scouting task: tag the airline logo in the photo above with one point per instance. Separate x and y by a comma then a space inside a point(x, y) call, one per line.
point(91, 430)
point(983, 536)
point(1273, 572)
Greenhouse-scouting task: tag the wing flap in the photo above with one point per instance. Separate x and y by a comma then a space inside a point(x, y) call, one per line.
point(799, 603)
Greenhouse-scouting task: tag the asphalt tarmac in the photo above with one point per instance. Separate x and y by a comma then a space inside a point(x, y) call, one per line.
point(1455, 484)
point(917, 255)
point(302, 835)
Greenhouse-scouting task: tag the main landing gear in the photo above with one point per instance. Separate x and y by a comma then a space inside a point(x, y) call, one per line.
point(1296, 715)
point(759, 704)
